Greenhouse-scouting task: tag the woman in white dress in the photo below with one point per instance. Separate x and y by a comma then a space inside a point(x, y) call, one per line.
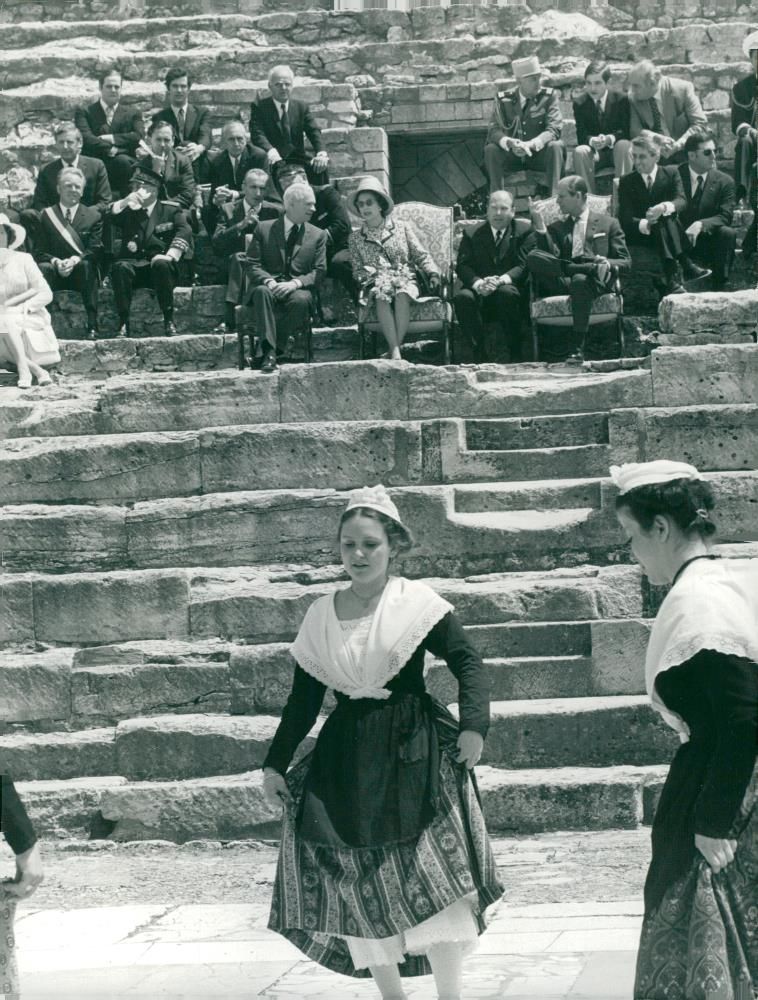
point(27, 339)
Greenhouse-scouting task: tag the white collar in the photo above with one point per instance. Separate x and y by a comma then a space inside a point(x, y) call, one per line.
point(288, 224)
point(653, 173)
point(281, 106)
point(67, 166)
point(246, 206)
point(74, 209)
point(106, 109)
point(694, 177)
point(182, 108)
point(584, 215)
point(152, 208)
point(603, 101)
point(495, 230)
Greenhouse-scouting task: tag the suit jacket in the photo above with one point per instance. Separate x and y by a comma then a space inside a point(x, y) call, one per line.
point(717, 202)
point(230, 235)
point(266, 132)
point(178, 178)
point(331, 216)
point(541, 116)
point(143, 236)
point(635, 199)
point(221, 168)
point(743, 100)
point(97, 190)
point(603, 237)
point(477, 257)
point(197, 124)
point(590, 122)
point(681, 110)
point(267, 253)
point(87, 235)
point(126, 129)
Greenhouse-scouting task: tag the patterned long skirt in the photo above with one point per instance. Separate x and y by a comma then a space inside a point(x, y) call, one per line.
point(9, 986)
point(701, 942)
point(324, 895)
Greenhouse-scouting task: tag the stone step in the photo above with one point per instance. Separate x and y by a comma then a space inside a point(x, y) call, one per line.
point(232, 807)
point(584, 732)
point(523, 677)
point(58, 755)
point(570, 462)
point(537, 432)
point(487, 498)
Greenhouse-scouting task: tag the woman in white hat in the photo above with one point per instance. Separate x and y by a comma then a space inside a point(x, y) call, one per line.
point(26, 333)
point(699, 935)
point(386, 256)
point(385, 868)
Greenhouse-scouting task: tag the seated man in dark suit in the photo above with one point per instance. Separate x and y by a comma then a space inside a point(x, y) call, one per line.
point(602, 127)
point(577, 255)
point(665, 106)
point(97, 190)
point(650, 197)
point(70, 242)
point(174, 168)
point(279, 125)
point(155, 237)
point(111, 132)
point(287, 259)
point(331, 216)
point(745, 127)
point(492, 269)
point(525, 129)
point(229, 169)
point(707, 216)
point(191, 122)
point(239, 220)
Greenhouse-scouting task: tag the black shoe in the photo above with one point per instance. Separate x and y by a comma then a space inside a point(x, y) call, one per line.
point(269, 363)
point(719, 283)
point(674, 287)
point(576, 357)
point(693, 271)
point(169, 328)
point(92, 332)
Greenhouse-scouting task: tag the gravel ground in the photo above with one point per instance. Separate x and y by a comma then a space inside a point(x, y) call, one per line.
point(549, 868)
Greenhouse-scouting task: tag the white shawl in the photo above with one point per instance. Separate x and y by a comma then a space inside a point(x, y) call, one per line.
point(713, 606)
point(407, 610)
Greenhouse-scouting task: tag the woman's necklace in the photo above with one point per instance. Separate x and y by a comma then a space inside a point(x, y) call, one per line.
point(364, 601)
point(685, 564)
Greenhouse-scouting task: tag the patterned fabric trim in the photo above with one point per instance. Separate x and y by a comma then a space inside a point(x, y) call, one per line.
point(551, 213)
point(422, 310)
point(560, 305)
point(731, 645)
point(9, 983)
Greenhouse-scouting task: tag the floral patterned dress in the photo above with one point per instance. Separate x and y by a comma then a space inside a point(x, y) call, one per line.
point(390, 256)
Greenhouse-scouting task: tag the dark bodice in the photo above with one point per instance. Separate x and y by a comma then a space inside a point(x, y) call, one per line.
point(14, 822)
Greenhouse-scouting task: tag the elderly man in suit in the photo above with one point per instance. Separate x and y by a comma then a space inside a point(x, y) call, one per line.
point(650, 198)
point(229, 168)
point(491, 267)
point(69, 243)
point(710, 202)
point(745, 127)
point(173, 167)
point(239, 221)
point(191, 122)
point(110, 131)
point(155, 237)
point(602, 127)
point(331, 216)
point(287, 261)
point(577, 255)
point(525, 129)
point(665, 106)
point(280, 124)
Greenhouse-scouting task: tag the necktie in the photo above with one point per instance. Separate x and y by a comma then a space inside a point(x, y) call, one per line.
point(649, 181)
point(284, 124)
point(180, 122)
point(698, 191)
point(68, 215)
point(577, 242)
point(499, 239)
point(235, 161)
point(290, 249)
point(109, 115)
point(655, 108)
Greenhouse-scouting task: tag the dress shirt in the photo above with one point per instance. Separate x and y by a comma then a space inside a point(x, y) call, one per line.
point(281, 108)
point(694, 177)
point(580, 231)
point(109, 112)
point(668, 206)
point(183, 122)
point(74, 163)
point(69, 214)
point(288, 224)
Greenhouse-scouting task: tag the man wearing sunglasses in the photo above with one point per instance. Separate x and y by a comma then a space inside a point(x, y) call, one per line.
point(711, 199)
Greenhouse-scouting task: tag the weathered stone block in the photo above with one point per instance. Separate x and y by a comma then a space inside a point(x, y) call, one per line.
point(683, 377)
point(261, 677)
point(253, 610)
point(38, 537)
point(713, 438)
point(68, 808)
point(51, 756)
point(381, 388)
point(36, 686)
point(16, 610)
point(89, 607)
point(618, 655)
point(722, 317)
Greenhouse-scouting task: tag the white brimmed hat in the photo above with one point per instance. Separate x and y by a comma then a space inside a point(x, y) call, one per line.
point(750, 44)
point(633, 474)
point(19, 233)
point(375, 187)
point(530, 66)
point(374, 497)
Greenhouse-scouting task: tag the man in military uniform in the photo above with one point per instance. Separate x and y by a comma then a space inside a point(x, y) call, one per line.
point(745, 126)
point(525, 129)
point(155, 237)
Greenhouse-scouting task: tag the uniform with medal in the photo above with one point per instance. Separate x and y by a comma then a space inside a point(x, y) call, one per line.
point(155, 241)
point(744, 103)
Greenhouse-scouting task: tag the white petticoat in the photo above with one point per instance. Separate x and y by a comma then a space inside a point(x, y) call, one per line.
point(454, 924)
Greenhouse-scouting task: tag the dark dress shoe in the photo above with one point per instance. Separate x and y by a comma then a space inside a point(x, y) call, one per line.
point(693, 271)
point(169, 329)
point(719, 283)
point(576, 357)
point(674, 287)
point(269, 363)
point(92, 332)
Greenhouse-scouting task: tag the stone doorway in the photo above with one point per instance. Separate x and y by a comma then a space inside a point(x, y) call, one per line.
point(440, 168)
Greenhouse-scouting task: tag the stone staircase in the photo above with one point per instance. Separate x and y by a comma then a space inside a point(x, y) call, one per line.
point(163, 533)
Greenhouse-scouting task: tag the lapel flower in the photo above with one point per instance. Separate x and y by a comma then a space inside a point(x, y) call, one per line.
point(131, 246)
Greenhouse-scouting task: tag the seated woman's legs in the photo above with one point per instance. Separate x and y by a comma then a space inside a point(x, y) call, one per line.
point(15, 342)
point(402, 316)
point(386, 317)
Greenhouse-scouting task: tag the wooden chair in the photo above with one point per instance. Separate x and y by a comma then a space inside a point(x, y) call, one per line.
point(555, 310)
point(434, 228)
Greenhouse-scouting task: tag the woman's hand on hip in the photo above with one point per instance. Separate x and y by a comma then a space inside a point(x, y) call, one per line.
point(275, 789)
point(470, 746)
point(29, 873)
point(717, 852)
